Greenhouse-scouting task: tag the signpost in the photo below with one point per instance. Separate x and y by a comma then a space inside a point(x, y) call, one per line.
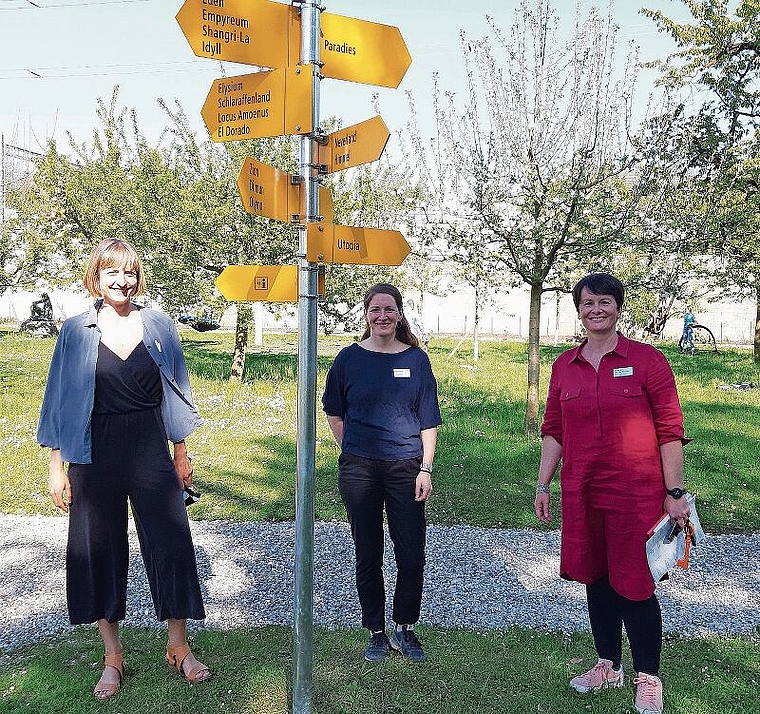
point(261, 283)
point(302, 45)
point(356, 246)
point(259, 105)
point(354, 145)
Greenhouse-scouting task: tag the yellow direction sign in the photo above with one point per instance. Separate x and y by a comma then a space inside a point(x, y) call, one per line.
point(354, 145)
point(326, 205)
point(357, 246)
point(263, 104)
point(268, 34)
point(253, 32)
point(271, 193)
point(361, 51)
point(262, 283)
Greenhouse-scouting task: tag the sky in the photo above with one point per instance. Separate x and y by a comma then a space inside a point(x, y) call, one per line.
point(57, 59)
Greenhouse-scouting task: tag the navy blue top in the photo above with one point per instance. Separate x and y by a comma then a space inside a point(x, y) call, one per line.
point(384, 399)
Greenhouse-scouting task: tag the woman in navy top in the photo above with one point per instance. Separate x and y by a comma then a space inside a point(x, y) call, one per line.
point(117, 392)
point(381, 403)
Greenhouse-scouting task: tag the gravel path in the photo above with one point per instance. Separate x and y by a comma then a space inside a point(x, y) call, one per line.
point(477, 578)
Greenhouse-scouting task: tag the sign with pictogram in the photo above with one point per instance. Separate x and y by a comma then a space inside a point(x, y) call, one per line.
point(263, 104)
point(361, 51)
point(356, 246)
point(354, 145)
point(262, 283)
point(255, 32)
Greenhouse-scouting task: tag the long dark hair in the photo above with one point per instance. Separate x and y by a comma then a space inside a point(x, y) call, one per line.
point(403, 331)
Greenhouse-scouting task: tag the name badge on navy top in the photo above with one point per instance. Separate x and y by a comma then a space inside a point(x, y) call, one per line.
point(402, 372)
point(622, 372)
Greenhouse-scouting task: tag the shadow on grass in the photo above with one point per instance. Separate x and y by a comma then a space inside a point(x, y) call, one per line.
point(212, 359)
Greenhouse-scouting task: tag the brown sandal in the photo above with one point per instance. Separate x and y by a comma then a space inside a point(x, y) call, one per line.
point(175, 656)
point(106, 691)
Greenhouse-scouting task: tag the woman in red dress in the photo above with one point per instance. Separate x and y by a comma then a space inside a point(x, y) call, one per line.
point(614, 420)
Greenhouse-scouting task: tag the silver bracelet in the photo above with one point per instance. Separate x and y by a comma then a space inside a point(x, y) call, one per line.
point(542, 488)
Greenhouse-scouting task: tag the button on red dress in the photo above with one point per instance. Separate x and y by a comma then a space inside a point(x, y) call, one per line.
point(611, 423)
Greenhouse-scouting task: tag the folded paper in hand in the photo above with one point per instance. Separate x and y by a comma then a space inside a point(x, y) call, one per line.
point(664, 551)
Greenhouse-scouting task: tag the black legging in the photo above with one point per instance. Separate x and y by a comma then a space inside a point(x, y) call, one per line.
point(608, 611)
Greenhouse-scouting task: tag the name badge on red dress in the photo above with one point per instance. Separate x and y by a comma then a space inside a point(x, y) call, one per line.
point(622, 372)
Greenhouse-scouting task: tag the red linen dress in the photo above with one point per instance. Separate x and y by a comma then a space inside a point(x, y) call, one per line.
point(611, 423)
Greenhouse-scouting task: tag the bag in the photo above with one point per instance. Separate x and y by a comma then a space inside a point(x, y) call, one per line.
point(191, 495)
point(669, 545)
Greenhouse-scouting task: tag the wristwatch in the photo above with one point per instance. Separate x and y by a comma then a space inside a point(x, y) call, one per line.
point(426, 467)
point(676, 492)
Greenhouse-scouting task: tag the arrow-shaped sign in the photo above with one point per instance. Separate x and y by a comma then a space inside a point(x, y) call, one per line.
point(268, 192)
point(354, 145)
point(268, 34)
point(361, 51)
point(262, 283)
point(271, 193)
point(357, 246)
point(252, 32)
point(263, 104)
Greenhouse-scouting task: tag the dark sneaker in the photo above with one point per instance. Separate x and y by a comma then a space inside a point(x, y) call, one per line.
point(378, 647)
point(405, 642)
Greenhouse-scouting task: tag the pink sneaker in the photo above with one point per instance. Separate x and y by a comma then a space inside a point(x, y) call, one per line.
point(600, 676)
point(648, 694)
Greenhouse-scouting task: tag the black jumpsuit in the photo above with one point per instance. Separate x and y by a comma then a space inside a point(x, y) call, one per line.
point(130, 460)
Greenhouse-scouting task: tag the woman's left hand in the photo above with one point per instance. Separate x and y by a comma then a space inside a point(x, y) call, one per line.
point(678, 509)
point(183, 466)
point(423, 487)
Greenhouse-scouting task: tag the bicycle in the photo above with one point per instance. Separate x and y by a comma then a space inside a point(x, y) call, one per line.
point(702, 340)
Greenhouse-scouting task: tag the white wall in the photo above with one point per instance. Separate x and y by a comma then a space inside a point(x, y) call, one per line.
point(730, 322)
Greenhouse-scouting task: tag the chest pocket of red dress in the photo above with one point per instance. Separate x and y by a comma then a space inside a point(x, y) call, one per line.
point(568, 394)
point(571, 403)
point(627, 389)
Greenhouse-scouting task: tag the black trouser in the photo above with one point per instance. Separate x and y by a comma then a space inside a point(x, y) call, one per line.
point(130, 460)
point(366, 486)
point(608, 611)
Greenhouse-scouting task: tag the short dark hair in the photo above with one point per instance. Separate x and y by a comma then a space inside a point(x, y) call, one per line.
point(599, 284)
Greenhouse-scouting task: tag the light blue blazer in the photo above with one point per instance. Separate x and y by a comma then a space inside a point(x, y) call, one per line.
point(65, 419)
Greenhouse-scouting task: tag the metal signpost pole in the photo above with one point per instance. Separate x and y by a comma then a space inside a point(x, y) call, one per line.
point(303, 626)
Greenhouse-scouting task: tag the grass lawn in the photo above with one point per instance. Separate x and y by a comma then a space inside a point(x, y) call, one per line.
point(244, 460)
point(510, 672)
point(244, 455)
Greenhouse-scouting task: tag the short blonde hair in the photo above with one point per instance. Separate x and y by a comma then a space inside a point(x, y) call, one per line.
point(109, 253)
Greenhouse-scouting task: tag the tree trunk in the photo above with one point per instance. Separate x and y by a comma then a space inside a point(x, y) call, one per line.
point(242, 323)
point(534, 364)
point(757, 323)
point(475, 343)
